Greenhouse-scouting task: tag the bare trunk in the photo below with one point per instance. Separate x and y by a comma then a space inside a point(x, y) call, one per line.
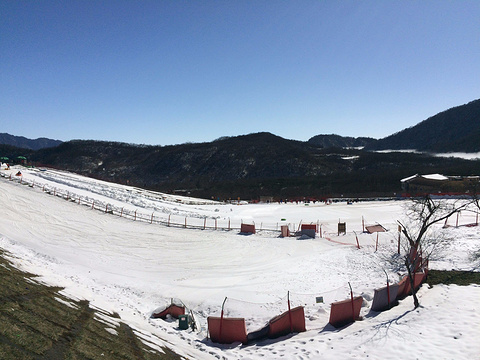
point(411, 277)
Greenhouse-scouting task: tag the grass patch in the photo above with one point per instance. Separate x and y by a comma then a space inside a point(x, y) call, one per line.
point(463, 278)
point(35, 325)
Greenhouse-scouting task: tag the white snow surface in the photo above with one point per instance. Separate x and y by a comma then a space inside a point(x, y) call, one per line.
point(135, 267)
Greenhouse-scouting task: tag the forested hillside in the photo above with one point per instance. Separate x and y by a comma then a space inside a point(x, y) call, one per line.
point(453, 130)
point(23, 142)
point(263, 164)
point(248, 166)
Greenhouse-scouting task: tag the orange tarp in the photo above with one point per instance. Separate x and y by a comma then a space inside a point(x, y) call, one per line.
point(173, 310)
point(374, 228)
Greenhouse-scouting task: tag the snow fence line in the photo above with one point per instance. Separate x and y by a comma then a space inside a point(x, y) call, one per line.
point(233, 323)
point(342, 312)
point(178, 221)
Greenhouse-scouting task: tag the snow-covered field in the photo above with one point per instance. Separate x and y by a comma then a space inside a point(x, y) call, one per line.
point(135, 267)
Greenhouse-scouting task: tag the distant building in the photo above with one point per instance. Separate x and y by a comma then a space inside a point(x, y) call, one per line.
point(266, 199)
point(440, 184)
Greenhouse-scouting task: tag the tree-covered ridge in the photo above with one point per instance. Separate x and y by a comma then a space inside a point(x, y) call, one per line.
point(454, 130)
point(23, 142)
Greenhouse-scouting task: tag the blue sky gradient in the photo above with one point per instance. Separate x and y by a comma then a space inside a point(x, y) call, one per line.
point(169, 72)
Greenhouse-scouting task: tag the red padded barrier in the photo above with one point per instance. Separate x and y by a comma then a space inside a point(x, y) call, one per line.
point(341, 311)
point(227, 330)
point(402, 287)
point(405, 288)
point(280, 325)
point(382, 296)
point(247, 228)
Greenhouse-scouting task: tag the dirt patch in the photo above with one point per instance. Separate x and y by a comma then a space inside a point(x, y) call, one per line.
point(453, 277)
point(37, 322)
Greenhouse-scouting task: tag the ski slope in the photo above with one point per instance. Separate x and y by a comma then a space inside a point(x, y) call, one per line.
point(135, 267)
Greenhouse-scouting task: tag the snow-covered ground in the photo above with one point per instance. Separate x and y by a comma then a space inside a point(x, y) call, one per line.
point(134, 267)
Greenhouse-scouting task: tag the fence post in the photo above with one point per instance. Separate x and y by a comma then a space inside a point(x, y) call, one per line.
point(204, 223)
point(54, 191)
point(228, 224)
point(185, 222)
point(106, 208)
point(356, 238)
point(151, 219)
point(121, 213)
point(215, 224)
point(93, 204)
point(135, 218)
point(168, 224)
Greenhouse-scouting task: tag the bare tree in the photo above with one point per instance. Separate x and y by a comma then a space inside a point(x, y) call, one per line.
point(422, 214)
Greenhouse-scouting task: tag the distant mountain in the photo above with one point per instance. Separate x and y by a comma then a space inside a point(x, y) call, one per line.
point(24, 143)
point(263, 164)
point(247, 166)
point(454, 130)
point(333, 140)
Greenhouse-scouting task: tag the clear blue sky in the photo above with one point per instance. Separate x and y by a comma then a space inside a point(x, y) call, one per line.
point(169, 72)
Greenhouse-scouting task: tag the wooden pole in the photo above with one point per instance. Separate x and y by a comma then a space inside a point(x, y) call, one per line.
point(356, 237)
point(388, 289)
point(399, 234)
point(289, 313)
point(221, 321)
point(353, 307)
